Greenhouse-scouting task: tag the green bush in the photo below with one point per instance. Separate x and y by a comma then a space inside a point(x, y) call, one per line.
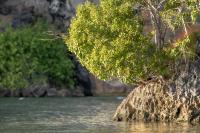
point(32, 55)
point(108, 40)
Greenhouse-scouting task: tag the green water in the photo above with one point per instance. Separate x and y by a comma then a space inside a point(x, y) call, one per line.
point(73, 115)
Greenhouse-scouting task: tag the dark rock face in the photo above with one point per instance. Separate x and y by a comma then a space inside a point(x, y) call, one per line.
point(5, 93)
point(5, 10)
point(27, 16)
point(22, 12)
point(2, 2)
point(83, 79)
point(61, 12)
point(43, 90)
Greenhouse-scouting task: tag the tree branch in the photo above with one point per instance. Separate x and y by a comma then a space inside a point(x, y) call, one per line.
point(161, 5)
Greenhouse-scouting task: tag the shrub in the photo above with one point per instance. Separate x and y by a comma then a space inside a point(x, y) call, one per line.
point(32, 55)
point(108, 40)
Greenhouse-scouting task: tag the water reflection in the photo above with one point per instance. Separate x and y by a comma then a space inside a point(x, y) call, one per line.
point(162, 128)
point(74, 115)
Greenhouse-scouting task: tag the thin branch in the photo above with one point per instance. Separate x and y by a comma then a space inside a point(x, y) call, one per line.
point(148, 3)
point(161, 5)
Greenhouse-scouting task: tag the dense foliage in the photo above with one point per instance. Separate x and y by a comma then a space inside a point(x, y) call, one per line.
point(109, 39)
point(33, 55)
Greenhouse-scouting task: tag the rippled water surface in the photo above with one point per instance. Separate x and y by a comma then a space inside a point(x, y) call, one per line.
point(73, 115)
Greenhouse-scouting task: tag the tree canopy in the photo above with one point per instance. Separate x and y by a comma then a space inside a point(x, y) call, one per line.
point(109, 38)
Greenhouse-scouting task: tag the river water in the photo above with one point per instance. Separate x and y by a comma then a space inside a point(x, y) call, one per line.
point(74, 115)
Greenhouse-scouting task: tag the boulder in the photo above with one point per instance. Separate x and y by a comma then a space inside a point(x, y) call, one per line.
point(27, 93)
point(78, 92)
point(109, 88)
point(158, 100)
point(5, 93)
point(52, 92)
point(64, 93)
point(35, 91)
point(16, 93)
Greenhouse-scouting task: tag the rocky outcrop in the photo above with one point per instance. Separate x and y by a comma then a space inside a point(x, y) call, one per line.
point(42, 90)
point(159, 100)
point(58, 12)
point(109, 88)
